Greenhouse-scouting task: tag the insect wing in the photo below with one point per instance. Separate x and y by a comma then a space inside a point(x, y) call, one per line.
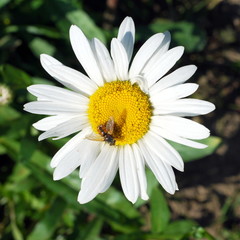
point(94, 137)
point(110, 126)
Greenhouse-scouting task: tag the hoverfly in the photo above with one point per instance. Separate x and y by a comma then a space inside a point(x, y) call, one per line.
point(105, 133)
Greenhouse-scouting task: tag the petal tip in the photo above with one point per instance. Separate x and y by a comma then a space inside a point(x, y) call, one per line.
point(81, 199)
point(42, 137)
point(73, 27)
point(194, 67)
point(167, 34)
point(44, 58)
point(202, 146)
point(213, 107)
point(52, 164)
point(128, 18)
point(73, 31)
point(181, 48)
point(29, 88)
point(145, 197)
point(181, 169)
point(56, 177)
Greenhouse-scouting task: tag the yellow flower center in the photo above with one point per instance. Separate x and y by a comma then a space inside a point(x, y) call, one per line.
point(124, 103)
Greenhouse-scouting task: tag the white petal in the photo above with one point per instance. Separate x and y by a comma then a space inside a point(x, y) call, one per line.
point(67, 165)
point(163, 150)
point(185, 107)
point(162, 171)
point(181, 126)
point(121, 165)
point(69, 77)
point(140, 171)
point(84, 54)
point(141, 81)
point(153, 71)
point(120, 59)
point(145, 52)
point(104, 60)
point(174, 93)
point(71, 145)
point(99, 175)
point(126, 35)
point(66, 128)
point(53, 93)
point(55, 108)
point(128, 174)
point(162, 49)
point(175, 138)
point(112, 173)
point(51, 122)
point(89, 155)
point(179, 76)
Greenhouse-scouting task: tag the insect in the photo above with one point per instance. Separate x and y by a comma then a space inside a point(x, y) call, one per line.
point(105, 133)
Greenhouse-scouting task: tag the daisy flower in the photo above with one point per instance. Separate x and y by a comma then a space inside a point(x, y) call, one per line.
point(123, 112)
point(5, 95)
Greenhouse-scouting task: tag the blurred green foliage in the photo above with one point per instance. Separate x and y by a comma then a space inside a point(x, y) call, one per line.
point(33, 206)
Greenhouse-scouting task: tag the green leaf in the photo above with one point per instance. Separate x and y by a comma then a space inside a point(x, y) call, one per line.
point(191, 36)
point(91, 231)
point(189, 154)
point(27, 148)
point(8, 114)
point(46, 226)
point(20, 182)
point(15, 78)
point(70, 195)
point(137, 236)
point(117, 200)
point(115, 218)
point(37, 80)
point(20, 172)
point(12, 147)
point(17, 128)
point(87, 25)
point(2, 150)
point(199, 233)
point(4, 2)
point(57, 187)
point(17, 235)
point(44, 31)
point(39, 46)
point(160, 214)
point(178, 229)
point(35, 30)
point(174, 231)
point(178, 235)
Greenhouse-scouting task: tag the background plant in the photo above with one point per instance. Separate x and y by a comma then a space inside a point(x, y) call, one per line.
point(32, 205)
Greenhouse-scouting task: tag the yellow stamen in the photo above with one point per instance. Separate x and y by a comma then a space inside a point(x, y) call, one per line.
point(127, 104)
